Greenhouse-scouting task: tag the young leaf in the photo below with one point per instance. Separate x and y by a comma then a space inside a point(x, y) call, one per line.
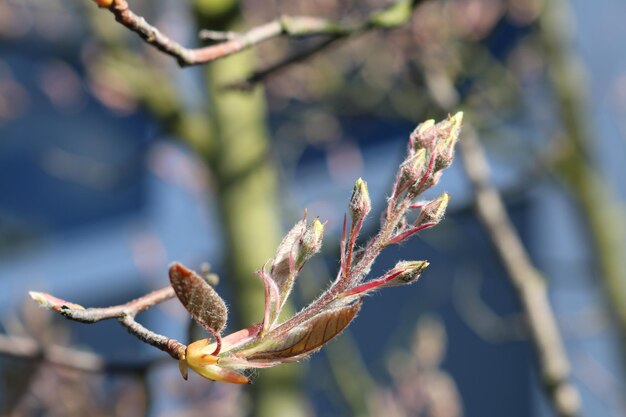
point(204, 304)
point(307, 337)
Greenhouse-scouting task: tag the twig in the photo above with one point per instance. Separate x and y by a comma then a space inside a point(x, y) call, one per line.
point(291, 26)
point(124, 313)
point(527, 281)
point(260, 75)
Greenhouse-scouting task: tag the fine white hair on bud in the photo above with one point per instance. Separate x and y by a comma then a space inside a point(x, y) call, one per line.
point(433, 211)
point(360, 202)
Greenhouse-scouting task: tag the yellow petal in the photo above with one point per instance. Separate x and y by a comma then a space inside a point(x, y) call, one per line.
point(217, 373)
point(183, 368)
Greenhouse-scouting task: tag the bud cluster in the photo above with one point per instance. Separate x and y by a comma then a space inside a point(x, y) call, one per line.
point(269, 343)
point(431, 149)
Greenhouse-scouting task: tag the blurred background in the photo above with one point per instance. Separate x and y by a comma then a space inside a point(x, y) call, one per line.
point(114, 162)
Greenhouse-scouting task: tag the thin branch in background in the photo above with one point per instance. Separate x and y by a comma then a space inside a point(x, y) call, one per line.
point(124, 313)
point(230, 43)
point(399, 14)
point(528, 283)
point(261, 75)
point(598, 202)
point(479, 317)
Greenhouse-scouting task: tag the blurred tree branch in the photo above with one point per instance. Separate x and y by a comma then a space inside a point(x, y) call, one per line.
point(394, 15)
point(230, 43)
point(479, 316)
point(530, 287)
point(604, 216)
point(260, 75)
point(527, 281)
point(246, 193)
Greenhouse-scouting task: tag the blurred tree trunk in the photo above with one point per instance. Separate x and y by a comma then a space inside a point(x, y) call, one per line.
point(247, 182)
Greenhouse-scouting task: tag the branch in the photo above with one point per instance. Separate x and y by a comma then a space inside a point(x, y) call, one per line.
point(394, 15)
point(260, 75)
point(597, 200)
point(527, 281)
point(291, 26)
point(124, 313)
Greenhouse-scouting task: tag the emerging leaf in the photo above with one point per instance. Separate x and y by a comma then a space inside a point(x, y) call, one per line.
point(307, 337)
point(204, 304)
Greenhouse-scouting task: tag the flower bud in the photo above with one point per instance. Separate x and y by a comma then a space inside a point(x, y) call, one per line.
point(282, 265)
point(406, 272)
point(448, 132)
point(433, 212)
point(412, 169)
point(423, 137)
point(310, 242)
point(360, 203)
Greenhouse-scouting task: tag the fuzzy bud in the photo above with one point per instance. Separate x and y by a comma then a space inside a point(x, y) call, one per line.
point(405, 272)
point(423, 137)
point(360, 203)
point(448, 132)
point(311, 241)
point(433, 212)
point(412, 169)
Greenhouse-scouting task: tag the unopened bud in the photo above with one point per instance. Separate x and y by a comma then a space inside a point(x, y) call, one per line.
point(360, 203)
point(53, 303)
point(422, 137)
point(433, 212)
point(448, 132)
point(407, 272)
point(281, 269)
point(444, 154)
point(311, 241)
point(412, 169)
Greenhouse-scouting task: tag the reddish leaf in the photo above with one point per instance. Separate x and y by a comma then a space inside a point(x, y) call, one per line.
point(204, 304)
point(309, 336)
